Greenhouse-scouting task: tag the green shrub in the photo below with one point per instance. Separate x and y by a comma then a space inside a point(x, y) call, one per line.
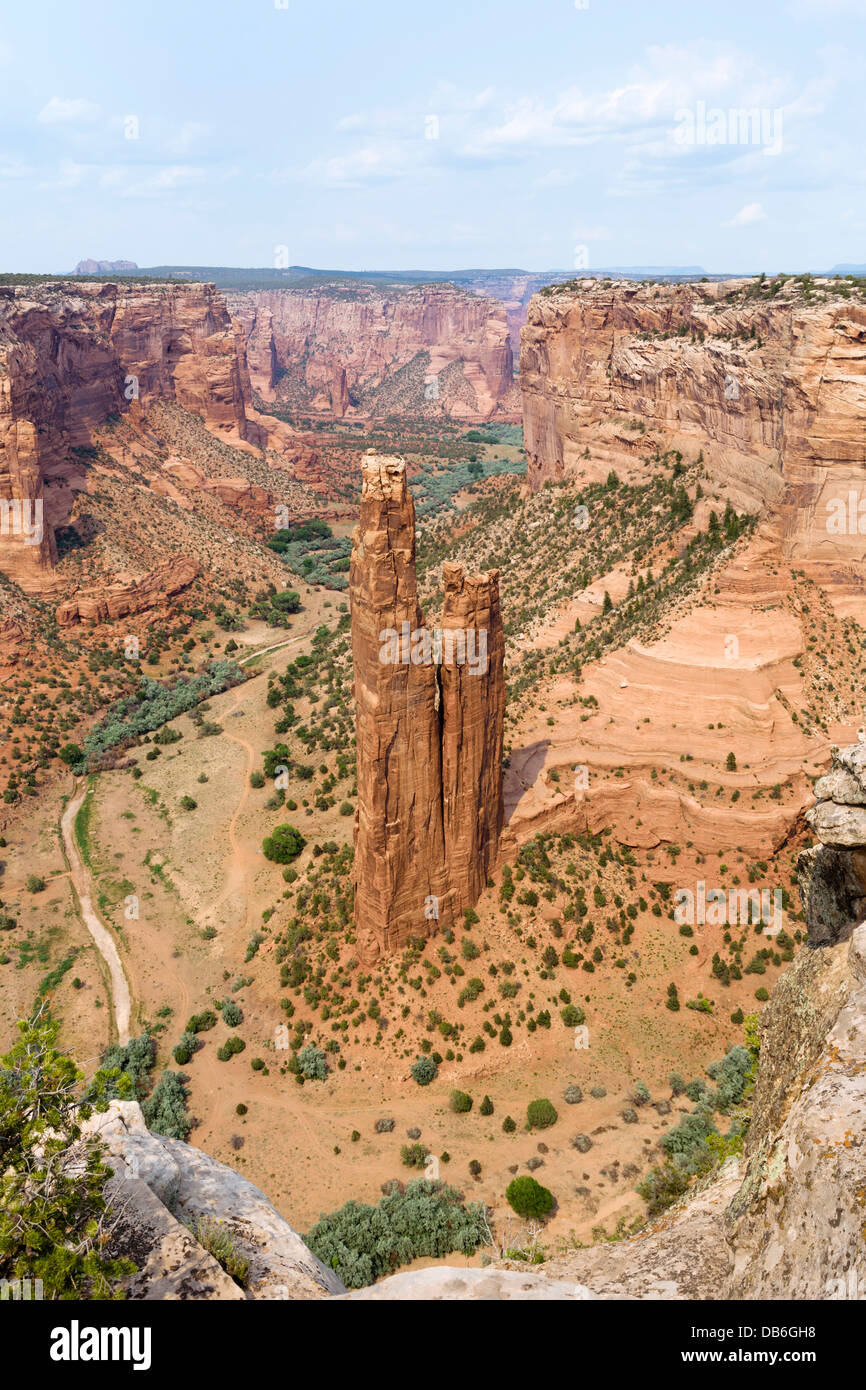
point(424, 1071)
point(312, 1062)
point(509, 1125)
point(540, 1114)
point(283, 845)
point(460, 1102)
point(219, 1240)
point(486, 1106)
point(124, 1072)
point(200, 1023)
point(361, 1242)
point(413, 1155)
point(165, 1110)
point(528, 1198)
point(232, 1013)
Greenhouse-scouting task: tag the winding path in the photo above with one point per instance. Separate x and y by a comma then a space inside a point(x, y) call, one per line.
point(121, 999)
point(121, 1002)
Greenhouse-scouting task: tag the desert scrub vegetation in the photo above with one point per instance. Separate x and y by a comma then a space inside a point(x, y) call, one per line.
point(540, 1114)
point(694, 1146)
point(361, 1243)
point(55, 1220)
point(155, 704)
point(219, 1240)
point(165, 1110)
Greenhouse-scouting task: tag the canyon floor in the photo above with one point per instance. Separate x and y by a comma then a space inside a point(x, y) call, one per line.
point(619, 791)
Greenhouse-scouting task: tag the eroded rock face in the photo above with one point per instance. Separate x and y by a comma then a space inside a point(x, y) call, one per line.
point(761, 384)
point(473, 707)
point(432, 348)
point(796, 1224)
point(129, 597)
point(832, 875)
point(72, 355)
point(429, 736)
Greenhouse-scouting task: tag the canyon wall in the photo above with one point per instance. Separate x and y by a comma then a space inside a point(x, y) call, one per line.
point(73, 355)
point(360, 350)
point(428, 737)
point(768, 381)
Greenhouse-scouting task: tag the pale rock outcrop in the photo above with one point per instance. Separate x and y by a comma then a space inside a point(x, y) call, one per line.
point(444, 1284)
point(832, 875)
point(162, 1186)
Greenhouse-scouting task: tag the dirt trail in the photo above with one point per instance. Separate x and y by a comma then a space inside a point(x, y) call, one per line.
point(237, 860)
point(121, 1003)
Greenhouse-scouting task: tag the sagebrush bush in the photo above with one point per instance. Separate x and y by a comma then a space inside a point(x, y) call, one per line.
point(362, 1242)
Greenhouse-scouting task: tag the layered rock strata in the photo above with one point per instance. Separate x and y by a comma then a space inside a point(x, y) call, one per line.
point(429, 714)
point(72, 355)
point(125, 599)
point(360, 350)
point(767, 382)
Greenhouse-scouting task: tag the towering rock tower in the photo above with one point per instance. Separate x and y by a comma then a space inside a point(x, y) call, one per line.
point(429, 711)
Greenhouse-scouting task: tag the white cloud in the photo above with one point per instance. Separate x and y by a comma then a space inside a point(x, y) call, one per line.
point(72, 111)
point(583, 233)
point(190, 133)
point(747, 216)
point(12, 168)
point(362, 167)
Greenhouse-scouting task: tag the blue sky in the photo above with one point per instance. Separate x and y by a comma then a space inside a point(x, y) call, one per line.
point(387, 135)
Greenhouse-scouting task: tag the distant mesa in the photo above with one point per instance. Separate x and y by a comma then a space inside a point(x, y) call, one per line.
point(104, 267)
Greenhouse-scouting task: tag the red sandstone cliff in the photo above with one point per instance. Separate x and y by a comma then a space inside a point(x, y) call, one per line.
point(429, 746)
point(72, 355)
point(768, 381)
point(362, 350)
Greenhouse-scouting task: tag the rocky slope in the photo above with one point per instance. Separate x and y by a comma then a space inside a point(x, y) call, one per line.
point(360, 350)
point(784, 1220)
point(428, 737)
point(768, 379)
point(754, 393)
point(162, 1189)
point(73, 356)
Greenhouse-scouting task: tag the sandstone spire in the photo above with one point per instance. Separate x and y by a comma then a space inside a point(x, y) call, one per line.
point(429, 736)
point(473, 710)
